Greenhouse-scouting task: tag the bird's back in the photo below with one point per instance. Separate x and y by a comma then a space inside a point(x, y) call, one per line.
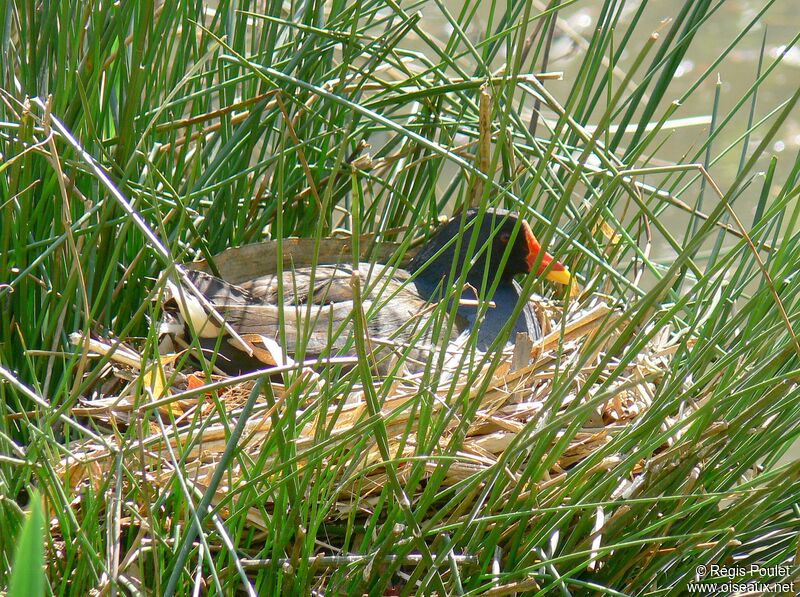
point(317, 308)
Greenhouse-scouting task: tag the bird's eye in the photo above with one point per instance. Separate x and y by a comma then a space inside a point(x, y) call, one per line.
point(505, 237)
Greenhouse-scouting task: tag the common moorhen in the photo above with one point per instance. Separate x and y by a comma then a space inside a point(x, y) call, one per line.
point(397, 302)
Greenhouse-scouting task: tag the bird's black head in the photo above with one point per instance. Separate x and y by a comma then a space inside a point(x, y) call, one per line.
point(501, 230)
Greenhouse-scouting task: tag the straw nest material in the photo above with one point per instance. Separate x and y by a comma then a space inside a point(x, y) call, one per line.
point(510, 399)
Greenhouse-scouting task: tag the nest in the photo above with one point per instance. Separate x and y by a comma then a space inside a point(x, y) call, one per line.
point(507, 399)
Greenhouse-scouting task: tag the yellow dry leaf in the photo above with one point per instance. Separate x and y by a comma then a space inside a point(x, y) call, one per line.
point(608, 232)
point(153, 378)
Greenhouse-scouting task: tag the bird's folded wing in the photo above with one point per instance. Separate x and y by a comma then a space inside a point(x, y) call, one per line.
point(217, 291)
point(394, 310)
point(331, 284)
point(326, 327)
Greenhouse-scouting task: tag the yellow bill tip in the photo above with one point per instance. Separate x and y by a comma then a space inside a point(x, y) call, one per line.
point(559, 276)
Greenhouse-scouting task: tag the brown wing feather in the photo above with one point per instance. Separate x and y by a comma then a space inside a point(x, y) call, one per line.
point(331, 284)
point(323, 316)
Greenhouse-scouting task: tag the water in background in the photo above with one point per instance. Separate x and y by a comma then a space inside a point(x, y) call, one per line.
point(736, 73)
